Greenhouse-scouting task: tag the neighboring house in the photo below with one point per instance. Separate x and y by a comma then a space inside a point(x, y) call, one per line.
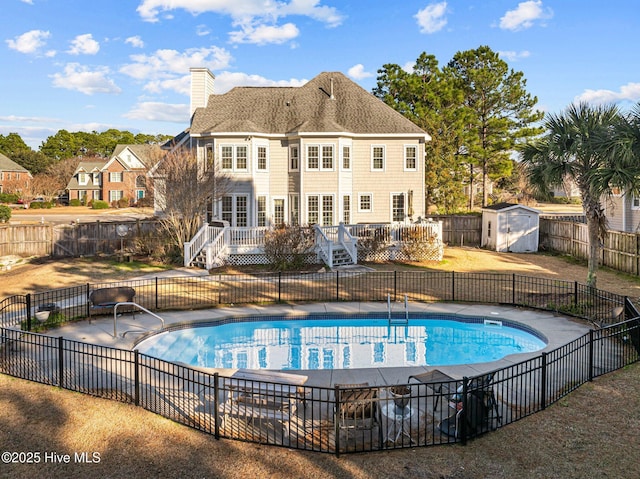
point(623, 211)
point(323, 153)
point(13, 177)
point(123, 176)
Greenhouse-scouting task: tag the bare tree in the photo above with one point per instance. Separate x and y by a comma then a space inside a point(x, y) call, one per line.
point(184, 190)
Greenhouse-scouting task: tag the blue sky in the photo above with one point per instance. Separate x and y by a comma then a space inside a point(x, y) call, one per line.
point(85, 66)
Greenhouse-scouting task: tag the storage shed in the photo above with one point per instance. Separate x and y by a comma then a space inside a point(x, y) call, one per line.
point(510, 227)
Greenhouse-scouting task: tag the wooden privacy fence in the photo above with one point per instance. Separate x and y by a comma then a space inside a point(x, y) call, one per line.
point(78, 239)
point(465, 230)
point(620, 251)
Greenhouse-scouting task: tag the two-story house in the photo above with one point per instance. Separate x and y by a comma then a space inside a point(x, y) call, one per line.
point(122, 176)
point(322, 153)
point(13, 177)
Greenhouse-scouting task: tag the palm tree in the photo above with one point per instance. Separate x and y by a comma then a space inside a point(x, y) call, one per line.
point(594, 146)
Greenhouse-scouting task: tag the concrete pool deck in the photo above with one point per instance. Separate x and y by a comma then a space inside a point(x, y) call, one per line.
point(558, 330)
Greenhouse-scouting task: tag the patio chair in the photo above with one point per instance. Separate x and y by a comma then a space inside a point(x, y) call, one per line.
point(439, 382)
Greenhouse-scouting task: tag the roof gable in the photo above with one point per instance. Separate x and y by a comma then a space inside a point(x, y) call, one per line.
point(509, 206)
point(6, 164)
point(330, 103)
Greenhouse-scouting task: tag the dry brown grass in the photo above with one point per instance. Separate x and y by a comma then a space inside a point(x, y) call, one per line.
point(590, 433)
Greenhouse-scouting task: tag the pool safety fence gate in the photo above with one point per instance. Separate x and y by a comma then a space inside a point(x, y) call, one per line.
point(198, 292)
point(341, 419)
point(338, 420)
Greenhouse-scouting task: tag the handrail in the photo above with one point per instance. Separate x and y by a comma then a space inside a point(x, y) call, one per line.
point(193, 247)
point(348, 242)
point(215, 248)
point(129, 303)
point(324, 245)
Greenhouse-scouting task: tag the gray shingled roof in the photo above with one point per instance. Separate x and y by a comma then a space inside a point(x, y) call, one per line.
point(305, 109)
point(145, 152)
point(7, 164)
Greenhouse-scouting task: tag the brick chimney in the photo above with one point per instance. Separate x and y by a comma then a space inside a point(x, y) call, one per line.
point(201, 88)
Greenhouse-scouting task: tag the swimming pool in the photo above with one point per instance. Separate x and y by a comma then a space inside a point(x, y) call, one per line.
point(352, 341)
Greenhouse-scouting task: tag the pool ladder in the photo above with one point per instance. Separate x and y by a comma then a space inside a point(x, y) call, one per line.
point(403, 321)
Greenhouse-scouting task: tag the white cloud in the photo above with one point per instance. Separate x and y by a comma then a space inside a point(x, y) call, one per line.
point(514, 56)
point(135, 41)
point(525, 15)
point(409, 66)
point(180, 84)
point(30, 2)
point(80, 78)
point(257, 19)
point(264, 34)
point(84, 45)
point(29, 42)
point(156, 111)
point(225, 81)
point(357, 72)
point(629, 92)
point(431, 18)
point(202, 30)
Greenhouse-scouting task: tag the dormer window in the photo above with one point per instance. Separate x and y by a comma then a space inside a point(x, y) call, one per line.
point(82, 178)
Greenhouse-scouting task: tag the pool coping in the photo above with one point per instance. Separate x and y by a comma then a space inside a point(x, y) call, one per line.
point(557, 329)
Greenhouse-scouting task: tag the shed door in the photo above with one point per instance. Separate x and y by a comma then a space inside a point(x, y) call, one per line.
point(520, 233)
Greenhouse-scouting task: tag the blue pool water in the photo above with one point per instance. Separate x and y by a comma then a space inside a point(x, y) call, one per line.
point(286, 344)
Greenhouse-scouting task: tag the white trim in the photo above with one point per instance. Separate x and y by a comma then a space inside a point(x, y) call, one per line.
point(299, 134)
point(234, 157)
point(404, 152)
point(290, 156)
point(360, 210)
point(320, 147)
point(384, 158)
point(405, 206)
point(285, 211)
point(257, 158)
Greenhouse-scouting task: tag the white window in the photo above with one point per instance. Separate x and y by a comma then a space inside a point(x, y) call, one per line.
point(397, 207)
point(262, 158)
point(82, 178)
point(327, 210)
point(233, 157)
point(327, 157)
point(313, 209)
point(262, 211)
point(115, 177)
point(635, 202)
point(313, 161)
point(96, 179)
point(235, 210)
point(294, 209)
point(115, 195)
point(320, 157)
point(377, 157)
point(226, 154)
point(208, 156)
point(294, 157)
point(278, 211)
point(365, 202)
point(410, 157)
point(346, 209)
point(346, 157)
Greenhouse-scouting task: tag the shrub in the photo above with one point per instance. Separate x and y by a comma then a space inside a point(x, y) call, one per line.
point(11, 198)
point(5, 214)
point(99, 205)
point(286, 246)
point(75, 202)
point(416, 247)
point(369, 246)
point(123, 203)
point(36, 205)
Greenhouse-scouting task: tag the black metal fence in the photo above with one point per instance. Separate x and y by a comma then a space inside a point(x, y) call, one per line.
point(342, 419)
point(193, 292)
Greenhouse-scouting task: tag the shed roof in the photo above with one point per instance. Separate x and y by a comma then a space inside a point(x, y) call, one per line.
point(510, 206)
